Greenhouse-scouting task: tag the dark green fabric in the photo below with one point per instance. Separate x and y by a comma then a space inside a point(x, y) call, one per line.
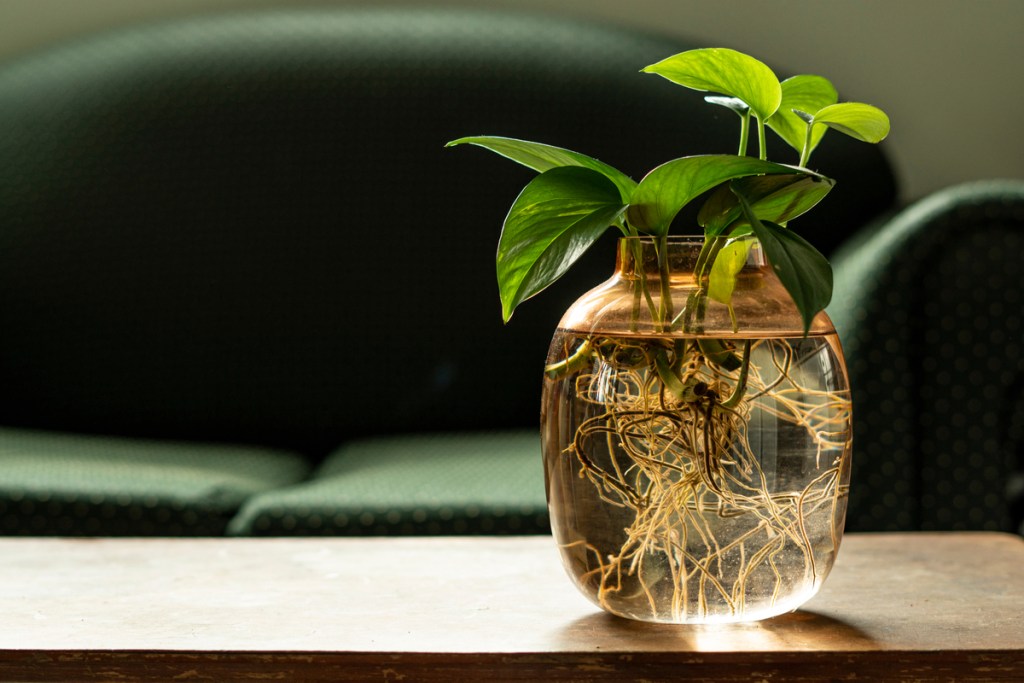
point(69, 485)
point(930, 307)
point(245, 228)
point(464, 483)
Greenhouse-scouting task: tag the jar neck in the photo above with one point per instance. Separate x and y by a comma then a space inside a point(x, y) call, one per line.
point(680, 256)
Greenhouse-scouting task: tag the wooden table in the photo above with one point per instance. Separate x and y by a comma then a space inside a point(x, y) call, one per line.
point(914, 607)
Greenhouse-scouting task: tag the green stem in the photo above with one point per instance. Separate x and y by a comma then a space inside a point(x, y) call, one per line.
point(805, 153)
point(741, 382)
point(697, 301)
point(640, 288)
point(703, 257)
point(634, 314)
point(669, 377)
point(719, 354)
point(666, 310)
point(696, 306)
point(761, 141)
point(638, 291)
point(744, 132)
point(571, 364)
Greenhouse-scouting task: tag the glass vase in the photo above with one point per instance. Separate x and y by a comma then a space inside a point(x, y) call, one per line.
point(696, 442)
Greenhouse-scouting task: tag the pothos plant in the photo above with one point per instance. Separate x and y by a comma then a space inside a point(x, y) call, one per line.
point(695, 521)
point(576, 198)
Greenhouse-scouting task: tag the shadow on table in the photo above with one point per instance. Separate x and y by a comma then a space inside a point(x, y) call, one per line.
point(800, 630)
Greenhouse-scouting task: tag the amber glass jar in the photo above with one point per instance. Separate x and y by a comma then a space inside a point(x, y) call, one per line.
point(697, 458)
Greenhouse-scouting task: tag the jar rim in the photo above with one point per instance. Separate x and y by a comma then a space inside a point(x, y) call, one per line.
point(671, 239)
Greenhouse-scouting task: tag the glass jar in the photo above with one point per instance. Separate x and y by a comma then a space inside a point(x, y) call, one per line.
point(696, 453)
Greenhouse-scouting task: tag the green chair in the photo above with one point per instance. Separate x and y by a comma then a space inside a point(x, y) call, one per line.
point(931, 314)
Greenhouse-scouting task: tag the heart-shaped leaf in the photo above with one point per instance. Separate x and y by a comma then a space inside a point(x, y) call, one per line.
point(541, 157)
point(861, 121)
point(555, 219)
point(722, 278)
point(727, 72)
point(804, 272)
point(776, 198)
point(674, 184)
point(801, 268)
point(806, 93)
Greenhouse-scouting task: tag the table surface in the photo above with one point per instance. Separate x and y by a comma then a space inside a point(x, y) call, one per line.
point(925, 606)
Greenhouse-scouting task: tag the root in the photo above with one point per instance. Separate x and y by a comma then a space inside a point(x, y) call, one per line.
point(709, 529)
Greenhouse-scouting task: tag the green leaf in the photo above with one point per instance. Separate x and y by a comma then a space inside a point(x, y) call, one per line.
point(722, 279)
point(801, 268)
point(804, 93)
point(861, 121)
point(727, 72)
point(555, 219)
point(777, 198)
point(674, 184)
point(541, 157)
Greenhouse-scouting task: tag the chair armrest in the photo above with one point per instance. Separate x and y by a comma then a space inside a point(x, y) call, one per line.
point(930, 308)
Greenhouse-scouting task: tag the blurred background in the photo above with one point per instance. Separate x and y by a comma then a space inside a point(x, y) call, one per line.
point(947, 71)
point(184, 200)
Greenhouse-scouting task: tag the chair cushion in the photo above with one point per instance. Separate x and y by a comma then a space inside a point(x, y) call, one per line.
point(489, 483)
point(69, 485)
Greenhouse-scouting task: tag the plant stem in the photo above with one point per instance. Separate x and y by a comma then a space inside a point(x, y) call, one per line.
point(805, 153)
point(703, 257)
point(695, 304)
point(744, 132)
point(666, 309)
point(634, 314)
point(761, 141)
point(741, 382)
point(571, 364)
point(640, 289)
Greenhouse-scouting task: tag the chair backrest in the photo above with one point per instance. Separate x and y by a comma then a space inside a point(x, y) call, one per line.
point(932, 321)
point(245, 227)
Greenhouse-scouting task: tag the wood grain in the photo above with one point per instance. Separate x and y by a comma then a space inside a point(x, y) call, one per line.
point(915, 607)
